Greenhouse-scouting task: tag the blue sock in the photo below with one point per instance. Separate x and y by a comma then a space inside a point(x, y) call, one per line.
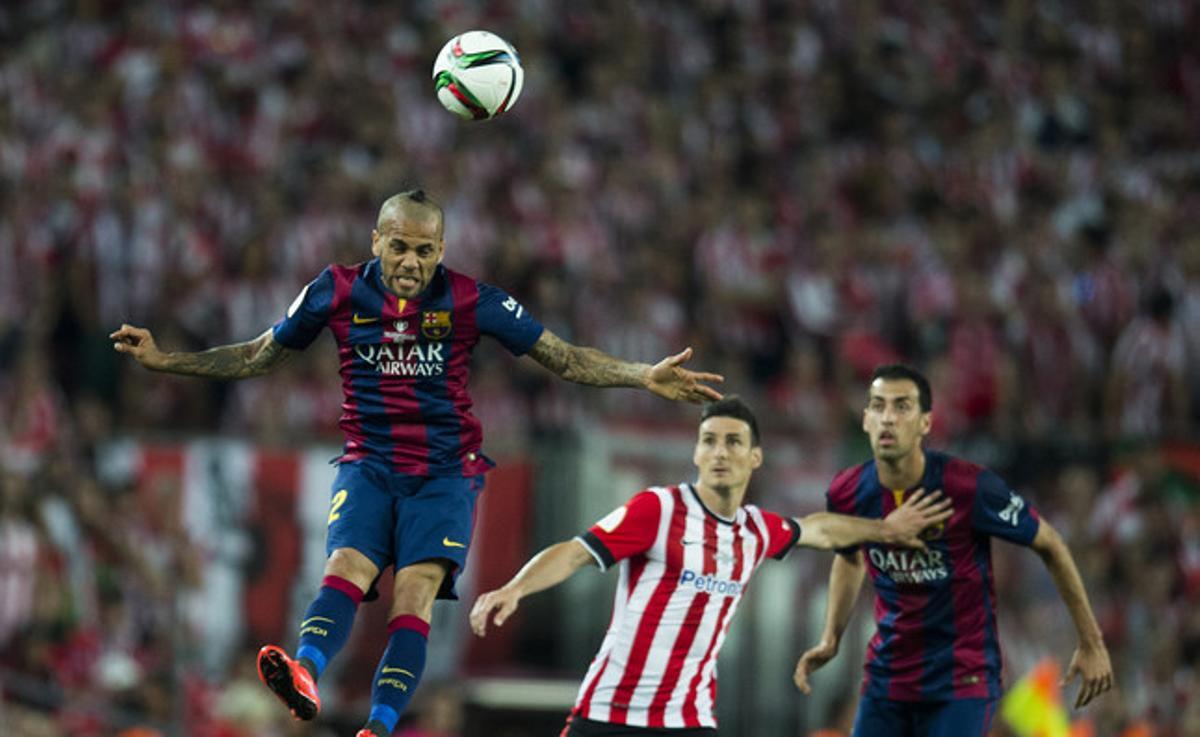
point(399, 672)
point(327, 623)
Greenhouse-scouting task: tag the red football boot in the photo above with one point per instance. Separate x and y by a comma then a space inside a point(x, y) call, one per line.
point(290, 681)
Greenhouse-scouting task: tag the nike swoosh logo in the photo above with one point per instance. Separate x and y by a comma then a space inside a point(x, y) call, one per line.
point(364, 320)
point(398, 670)
point(451, 544)
point(692, 542)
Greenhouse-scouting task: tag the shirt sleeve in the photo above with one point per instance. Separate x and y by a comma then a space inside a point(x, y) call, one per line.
point(308, 313)
point(1001, 512)
point(504, 318)
point(836, 502)
point(782, 534)
point(626, 531)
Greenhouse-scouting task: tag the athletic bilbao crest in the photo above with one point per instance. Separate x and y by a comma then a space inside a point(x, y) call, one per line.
point(435, 324)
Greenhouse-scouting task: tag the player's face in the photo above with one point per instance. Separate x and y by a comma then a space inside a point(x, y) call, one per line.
point(409, 250)
point(724, 454)
point(893, 418)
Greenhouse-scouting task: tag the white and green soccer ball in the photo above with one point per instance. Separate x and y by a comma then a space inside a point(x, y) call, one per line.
point(478, 75)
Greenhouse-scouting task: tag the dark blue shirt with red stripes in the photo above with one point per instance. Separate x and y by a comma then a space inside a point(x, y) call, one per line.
point(405, 363)
point(935, 609)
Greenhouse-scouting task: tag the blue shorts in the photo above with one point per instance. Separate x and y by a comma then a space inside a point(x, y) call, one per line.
point(398, 520)
point(954, 718)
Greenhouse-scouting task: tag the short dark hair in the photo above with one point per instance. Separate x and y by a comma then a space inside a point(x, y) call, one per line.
point(902, 371)
point(732, 406)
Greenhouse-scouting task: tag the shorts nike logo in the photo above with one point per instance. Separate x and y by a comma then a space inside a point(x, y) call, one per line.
point(364, 320)
point(388, 669)
point(451, 544)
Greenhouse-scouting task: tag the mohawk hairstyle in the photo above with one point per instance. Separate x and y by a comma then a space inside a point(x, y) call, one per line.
point(408, 203)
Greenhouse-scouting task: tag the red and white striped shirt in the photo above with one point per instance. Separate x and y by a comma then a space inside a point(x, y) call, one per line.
point(683, 572)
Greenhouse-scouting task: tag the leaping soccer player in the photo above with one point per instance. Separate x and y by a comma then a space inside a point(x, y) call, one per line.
point(412, 464)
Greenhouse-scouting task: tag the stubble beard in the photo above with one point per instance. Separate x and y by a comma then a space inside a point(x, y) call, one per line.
point(725, 491)
point(893, 454)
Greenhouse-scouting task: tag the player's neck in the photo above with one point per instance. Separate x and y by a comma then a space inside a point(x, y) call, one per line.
point(901, 473)
point(723, 502)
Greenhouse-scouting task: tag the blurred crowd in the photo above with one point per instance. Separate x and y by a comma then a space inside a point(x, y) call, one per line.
point(998, 193)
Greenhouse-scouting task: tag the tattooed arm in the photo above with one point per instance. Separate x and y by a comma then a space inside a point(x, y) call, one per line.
point(667, 378)
point(236, 361)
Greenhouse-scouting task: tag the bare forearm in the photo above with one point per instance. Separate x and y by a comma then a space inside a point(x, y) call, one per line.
point(845, 581)
point(596, 368)
point(236, 361)
point(1069, 583)
point(588, 365)
point(828, 531)
point(549, 568)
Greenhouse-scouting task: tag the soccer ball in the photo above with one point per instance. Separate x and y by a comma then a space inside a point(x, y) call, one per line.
point(478, 75)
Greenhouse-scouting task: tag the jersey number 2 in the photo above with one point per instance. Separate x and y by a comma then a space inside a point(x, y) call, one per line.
point(338, 500)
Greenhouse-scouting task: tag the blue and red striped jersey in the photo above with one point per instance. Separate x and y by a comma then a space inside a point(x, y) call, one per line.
point(935, 609)
point(405, 363)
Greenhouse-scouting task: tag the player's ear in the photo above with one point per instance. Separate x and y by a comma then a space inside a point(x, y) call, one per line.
point(926, 423)
point(441, 249)
point(756, 457)
point(376, 243)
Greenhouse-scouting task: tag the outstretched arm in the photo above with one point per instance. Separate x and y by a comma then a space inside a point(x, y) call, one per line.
point(667, 378)
point(548, 568)
point(236, 361)
point(845, 581)
point(829, 531)
point(1090, 659)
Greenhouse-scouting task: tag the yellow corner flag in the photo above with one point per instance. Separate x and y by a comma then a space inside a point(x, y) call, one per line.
point(1033, 707)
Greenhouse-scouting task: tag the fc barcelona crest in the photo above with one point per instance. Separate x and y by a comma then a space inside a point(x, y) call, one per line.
point(435, 324)
point(933, 532)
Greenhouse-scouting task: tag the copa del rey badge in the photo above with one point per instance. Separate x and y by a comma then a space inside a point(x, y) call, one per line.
point(435, 324)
